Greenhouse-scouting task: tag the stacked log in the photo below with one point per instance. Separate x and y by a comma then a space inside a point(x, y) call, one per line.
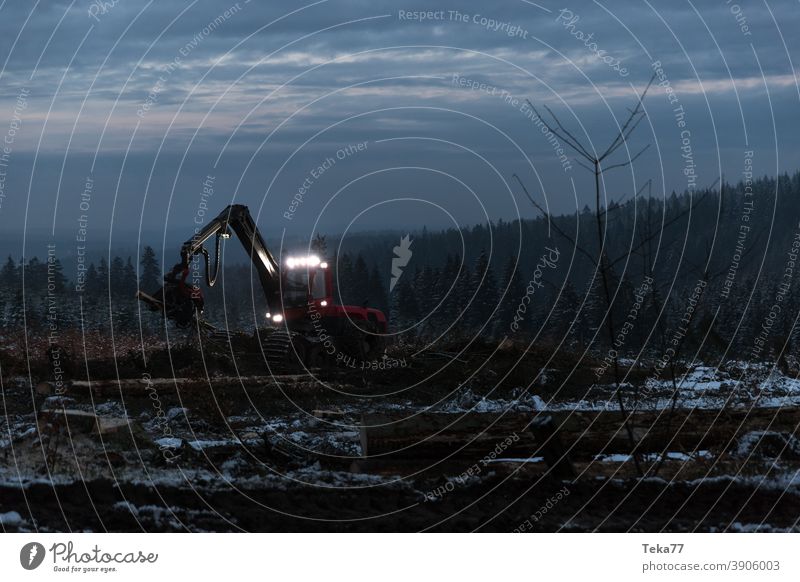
point(583, 433)
point(463, 437)
point(145, 385)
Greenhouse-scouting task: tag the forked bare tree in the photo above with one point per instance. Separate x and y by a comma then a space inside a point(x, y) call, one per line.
point(598, 164)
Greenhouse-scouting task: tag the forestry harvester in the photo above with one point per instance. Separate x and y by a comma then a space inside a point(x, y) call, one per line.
point(303, 324)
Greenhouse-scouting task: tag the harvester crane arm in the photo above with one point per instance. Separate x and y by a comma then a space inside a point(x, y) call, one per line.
point(237, 218)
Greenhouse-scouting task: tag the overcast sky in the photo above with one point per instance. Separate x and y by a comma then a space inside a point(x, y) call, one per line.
point(149, 100)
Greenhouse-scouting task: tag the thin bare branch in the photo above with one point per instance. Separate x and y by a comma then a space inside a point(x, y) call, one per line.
point(582, 165)
point(585, 151)
point(621, 134)
point(620, 204)
point(552, 223)
point(627, 163)
point(662, 229)
point(570, 141)
point(625, 136)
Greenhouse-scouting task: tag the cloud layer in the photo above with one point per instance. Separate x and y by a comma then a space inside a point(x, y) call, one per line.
point(150, 99)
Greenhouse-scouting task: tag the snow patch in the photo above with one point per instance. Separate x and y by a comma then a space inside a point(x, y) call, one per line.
point(174, 413)
point(10, 518)
point(169, 442)
point(199, 445)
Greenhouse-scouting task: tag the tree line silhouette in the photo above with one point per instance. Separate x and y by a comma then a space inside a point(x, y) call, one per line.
point(460, 283)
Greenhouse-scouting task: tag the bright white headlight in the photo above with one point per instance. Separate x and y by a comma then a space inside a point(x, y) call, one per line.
point(277, 318)
point(309, 261)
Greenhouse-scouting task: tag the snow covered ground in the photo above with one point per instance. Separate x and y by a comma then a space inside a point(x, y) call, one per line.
point(247, 452)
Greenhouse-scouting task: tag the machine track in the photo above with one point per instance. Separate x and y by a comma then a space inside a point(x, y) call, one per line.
point(284, 351)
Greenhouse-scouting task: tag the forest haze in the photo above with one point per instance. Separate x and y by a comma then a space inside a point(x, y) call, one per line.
point(524, 279)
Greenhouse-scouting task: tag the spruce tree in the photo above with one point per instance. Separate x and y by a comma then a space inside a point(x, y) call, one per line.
point(102, 278)
point(407, 308)
point(93, 285)
point(319, 245)
point(343, 281)
point(425, 286)
point(377, 291)
point(9, 276)
point(360, 283)
point(117, 280)
point(485, 286)
point(150, 278)
point(514, 290)
point(129, 279)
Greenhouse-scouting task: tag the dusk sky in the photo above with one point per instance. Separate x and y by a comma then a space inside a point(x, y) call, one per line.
point(147, 101)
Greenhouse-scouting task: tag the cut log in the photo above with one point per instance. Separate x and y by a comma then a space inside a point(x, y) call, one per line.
point(83, 422)
point(107, 425)
point(144, 386)
point(328, 414)
point(583, 433)
point(482, 438)
point(78, 421)
point(685, 430)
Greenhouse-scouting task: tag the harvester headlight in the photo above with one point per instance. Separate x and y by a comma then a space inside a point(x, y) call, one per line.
point(323, 265)
point(277, 318)
point(309, 261)
point(323, 303)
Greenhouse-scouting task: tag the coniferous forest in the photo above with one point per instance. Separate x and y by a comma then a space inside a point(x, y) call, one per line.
point(481, 284)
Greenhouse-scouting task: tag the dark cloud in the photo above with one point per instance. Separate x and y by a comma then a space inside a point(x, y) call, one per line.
point(257, 96)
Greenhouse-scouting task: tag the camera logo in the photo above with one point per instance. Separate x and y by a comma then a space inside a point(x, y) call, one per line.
point(31, 555)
